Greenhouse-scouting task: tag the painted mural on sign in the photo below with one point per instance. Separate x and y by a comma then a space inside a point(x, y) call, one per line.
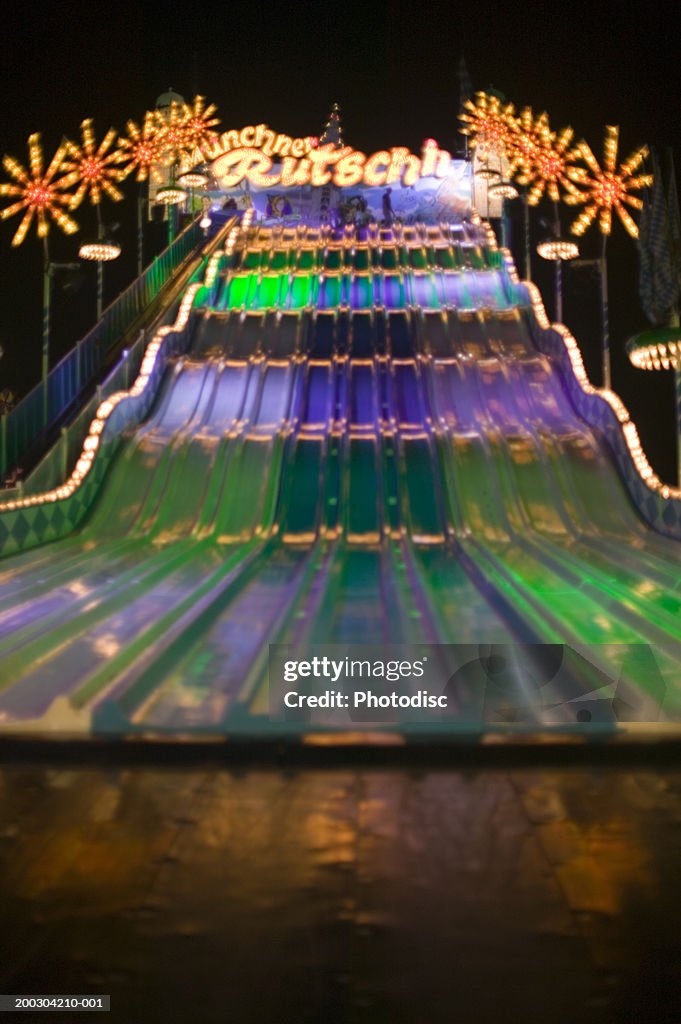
point(429, 200)
point(289, 180)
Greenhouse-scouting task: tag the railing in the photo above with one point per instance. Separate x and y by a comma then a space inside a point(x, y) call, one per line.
point(54, 466)
point(26, 521)
point(24, 426)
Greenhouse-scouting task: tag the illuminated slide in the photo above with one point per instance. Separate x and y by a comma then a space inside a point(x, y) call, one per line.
point(359, 443)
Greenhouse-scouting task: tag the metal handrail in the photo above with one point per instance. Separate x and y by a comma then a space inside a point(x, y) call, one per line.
point(24, 426)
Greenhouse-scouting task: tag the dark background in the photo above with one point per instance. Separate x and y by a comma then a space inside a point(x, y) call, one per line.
point(392, 67)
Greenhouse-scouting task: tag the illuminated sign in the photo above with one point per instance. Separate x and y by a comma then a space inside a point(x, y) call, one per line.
point(263, 138)
point(250, 155)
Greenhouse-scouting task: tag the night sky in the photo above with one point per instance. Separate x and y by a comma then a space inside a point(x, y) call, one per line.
point(392, 67)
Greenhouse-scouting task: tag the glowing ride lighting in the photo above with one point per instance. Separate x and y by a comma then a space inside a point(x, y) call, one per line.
point(503, 190)
point(186, 133)
point(212, 269)
point(198, 123)
point(488, 122)
point(96, 168)
point(192, 179)
point(142, 149)
point(343, 167)
point(548, 163)
point(170, 132)
point(608, 188)
point(535, 155)
point(656, 349)
point(264, 138)
point(100, 251)
point(558, 249)
point(38, 192)
point(542, 160)
point(488, 174)
point(170, 195)
point(524, 139)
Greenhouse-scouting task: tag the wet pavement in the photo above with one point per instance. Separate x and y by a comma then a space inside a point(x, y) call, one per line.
point(203, 893)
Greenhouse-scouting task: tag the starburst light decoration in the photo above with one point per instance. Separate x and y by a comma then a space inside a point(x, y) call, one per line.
point(523, 142)
point(544, 161)
point(609, 188)
point(142, 148)
point(96, 168)
point(171, 132)
point(39, 193)
point(198, 124)
point(186, 131)
point(488, 122)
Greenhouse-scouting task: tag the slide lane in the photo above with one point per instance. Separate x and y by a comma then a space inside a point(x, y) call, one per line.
point(224, 646)
point(120, 522)
point(196, 675)
point(71, 646)
point(510, 510)
point(126, 503)
point(335, 570)
point(513, 509)
point(582, 487)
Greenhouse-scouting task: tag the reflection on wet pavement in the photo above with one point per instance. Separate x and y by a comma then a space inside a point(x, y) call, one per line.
point(345, 895)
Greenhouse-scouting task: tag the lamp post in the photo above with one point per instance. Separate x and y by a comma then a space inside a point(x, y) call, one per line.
point(605, 314)
point(526, 235)
point(101, 251)
point(504, 190)
point(170, 196)
point(206, 219)
point(100, 265)
point(558, 250)
point(45, 351)
point(191, 180)
point(50, 268)
point(605, 191)
point(140, 229)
